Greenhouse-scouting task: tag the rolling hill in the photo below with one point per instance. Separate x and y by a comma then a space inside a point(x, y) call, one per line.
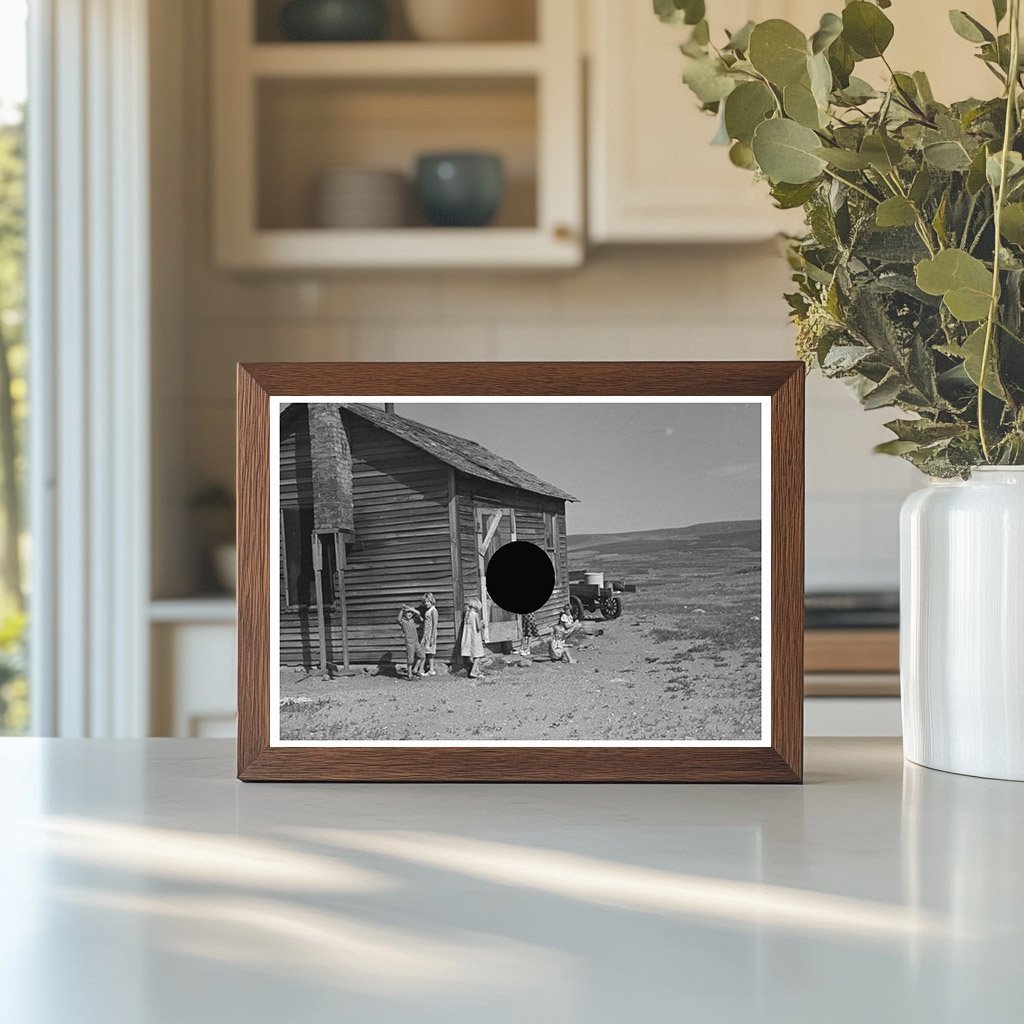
point(743, 533)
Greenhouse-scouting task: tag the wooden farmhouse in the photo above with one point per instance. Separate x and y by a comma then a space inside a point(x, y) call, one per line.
point(377, 510)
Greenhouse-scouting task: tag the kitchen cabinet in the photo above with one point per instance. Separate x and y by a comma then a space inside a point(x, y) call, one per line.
point(287, 113)
point(653, 175)
point(192, 648)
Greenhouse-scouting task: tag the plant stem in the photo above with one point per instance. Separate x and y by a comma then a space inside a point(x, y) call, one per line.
point(923, 228)
point(856, 188)
point(1000, 199)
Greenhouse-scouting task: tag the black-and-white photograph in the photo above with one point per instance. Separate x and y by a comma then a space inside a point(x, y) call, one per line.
point(520, 571)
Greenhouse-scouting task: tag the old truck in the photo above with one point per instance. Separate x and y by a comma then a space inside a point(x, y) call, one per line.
point(590, 592)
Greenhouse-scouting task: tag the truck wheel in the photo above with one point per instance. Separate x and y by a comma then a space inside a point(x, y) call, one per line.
point(611, 608)
point(577, 608)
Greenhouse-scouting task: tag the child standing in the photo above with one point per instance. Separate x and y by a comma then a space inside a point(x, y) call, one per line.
point(472, 637)
point(429, 638)
point(530, 633)
point(408, 621)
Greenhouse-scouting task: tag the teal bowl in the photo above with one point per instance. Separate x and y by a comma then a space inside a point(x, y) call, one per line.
point(460, 190)
point(334, 21)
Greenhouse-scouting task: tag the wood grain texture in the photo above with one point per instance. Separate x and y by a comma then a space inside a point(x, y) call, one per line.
point(852, 650)
point(781, 762)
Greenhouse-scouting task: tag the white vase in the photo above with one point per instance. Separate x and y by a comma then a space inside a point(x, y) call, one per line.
point(962, 624)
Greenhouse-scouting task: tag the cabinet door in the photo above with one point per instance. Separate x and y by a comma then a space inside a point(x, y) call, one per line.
point(654, 177)
point(286, 113)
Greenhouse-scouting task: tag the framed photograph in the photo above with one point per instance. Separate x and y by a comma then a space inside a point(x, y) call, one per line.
point(547, 572)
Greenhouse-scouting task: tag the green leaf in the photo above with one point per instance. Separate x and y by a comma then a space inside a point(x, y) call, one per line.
point(999, 7)
point(830, 29)
point(739, 41)
point(939, 220)
point(695, 11)
point(895, 447)
point(866, 29)
point(801, 106)
point(746, 107)
point(789, 197)
point(858, 91)
point(708, 80)
point(972, 352)
point(820, 76)
point(785, 152)
point(1012, 226)
point(778, 50)
point(963, 281)
point(947, 156)
point(885, 394)
point(976, 174)
point(676, 12)
point(906, 90)
point(841, 60)
point(883, 153)
point(969, 28)
point(844, 159)
point(896, 212)
point(741, 155)
point(924, 87)
point(921, 185)
point(1014, 169)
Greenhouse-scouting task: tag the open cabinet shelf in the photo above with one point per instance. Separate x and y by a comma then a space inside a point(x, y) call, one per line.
point(394, 60)
point(286, 114)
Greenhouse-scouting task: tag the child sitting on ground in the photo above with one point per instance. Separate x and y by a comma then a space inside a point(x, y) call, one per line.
point(408, 621)
point(557, 648)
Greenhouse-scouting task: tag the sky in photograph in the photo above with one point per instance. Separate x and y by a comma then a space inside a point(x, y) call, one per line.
point(633, 467)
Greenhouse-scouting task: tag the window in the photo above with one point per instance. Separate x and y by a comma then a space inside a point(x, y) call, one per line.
point(297, 538)
point(14, 694)
point(299, 560)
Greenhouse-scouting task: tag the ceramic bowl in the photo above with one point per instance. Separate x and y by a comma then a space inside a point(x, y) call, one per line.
point(334, 20)
point(470, 20)
point(460, 189)
point(358, 197)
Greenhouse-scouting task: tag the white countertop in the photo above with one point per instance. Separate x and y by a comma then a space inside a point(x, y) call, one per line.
point(143, 885)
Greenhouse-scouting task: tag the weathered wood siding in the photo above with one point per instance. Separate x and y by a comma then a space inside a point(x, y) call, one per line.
point(299, 633)
point(529, 509)
point(401, 549)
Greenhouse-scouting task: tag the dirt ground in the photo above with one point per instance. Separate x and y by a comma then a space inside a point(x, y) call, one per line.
point(682, 663)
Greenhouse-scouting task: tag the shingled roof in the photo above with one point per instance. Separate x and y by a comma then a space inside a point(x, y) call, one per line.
point(465, 456)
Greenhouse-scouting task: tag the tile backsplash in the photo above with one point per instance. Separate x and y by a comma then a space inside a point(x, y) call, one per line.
point(699, 303)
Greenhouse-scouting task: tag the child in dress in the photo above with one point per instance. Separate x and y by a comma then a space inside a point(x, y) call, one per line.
point(408, 621)
point(472, 646)
point(568, 622)
point(557, 649)
point(428, 639)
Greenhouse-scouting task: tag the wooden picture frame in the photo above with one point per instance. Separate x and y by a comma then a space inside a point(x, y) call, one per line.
point(778, 759)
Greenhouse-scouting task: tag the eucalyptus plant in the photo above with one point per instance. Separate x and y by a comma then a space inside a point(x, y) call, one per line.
point(910, 278)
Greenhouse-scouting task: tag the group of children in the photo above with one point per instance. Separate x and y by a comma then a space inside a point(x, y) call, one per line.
point(561, 631)
point(419, 630)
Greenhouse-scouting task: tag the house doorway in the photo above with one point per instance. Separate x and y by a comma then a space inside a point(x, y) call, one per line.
point(495, 527)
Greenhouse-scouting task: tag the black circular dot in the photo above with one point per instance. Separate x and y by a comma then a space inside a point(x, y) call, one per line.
point(520, 577)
